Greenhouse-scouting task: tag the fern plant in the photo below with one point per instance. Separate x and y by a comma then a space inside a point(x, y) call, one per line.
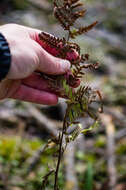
point(79, 102)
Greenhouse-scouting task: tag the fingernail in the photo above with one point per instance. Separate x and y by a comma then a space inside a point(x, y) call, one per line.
point(65, 65)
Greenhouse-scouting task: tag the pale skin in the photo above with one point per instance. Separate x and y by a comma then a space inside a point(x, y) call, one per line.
point(28, 56)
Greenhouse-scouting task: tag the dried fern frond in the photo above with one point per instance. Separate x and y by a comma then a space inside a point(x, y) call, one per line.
point(79, 101)
point(50, 40)
point(82, 30)
point(65, 12)
point(60, 47)
point(70, 51)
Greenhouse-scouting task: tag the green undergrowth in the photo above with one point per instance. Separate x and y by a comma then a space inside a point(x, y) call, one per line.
point(15, 158)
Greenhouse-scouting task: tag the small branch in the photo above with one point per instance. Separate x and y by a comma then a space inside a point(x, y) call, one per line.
point(45, 179)
point(60, 150)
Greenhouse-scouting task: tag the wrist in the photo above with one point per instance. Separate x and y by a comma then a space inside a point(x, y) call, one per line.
point(5, 57)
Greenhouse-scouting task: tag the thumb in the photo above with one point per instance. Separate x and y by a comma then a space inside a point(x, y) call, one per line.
point(48, 63)
point(52, 65)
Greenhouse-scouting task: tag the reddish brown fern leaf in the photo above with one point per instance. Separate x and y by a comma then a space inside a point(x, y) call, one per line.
point(65, 14)
point(83, 30)
point(76, 5)
point(60, 47)
point(51, 40)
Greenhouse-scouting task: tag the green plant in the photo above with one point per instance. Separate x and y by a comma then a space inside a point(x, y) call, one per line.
point(88, 185)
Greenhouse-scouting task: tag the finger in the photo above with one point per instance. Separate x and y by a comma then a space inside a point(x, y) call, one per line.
point(28, 94)
point(36, 81)
point(48, 63)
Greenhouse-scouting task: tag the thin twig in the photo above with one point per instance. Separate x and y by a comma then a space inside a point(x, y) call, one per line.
point(60, 148)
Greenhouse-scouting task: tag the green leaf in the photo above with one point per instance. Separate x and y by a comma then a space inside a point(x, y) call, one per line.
point(76, 132)
point(64, 84)
point(95, 124)
point(70, 93)
point(89, 178)
point(66, 87)
point(70, 116)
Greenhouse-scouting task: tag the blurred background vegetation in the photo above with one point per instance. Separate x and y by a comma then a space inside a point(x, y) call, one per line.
point(96, 161)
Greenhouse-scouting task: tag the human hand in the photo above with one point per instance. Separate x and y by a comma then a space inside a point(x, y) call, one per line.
point(28, 56)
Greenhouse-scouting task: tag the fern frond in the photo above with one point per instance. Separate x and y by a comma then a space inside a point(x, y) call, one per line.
point(50, 40)
point(65, 14)
point(83, 30)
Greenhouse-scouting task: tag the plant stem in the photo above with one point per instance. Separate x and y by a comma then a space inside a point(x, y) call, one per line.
point(60, 151)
